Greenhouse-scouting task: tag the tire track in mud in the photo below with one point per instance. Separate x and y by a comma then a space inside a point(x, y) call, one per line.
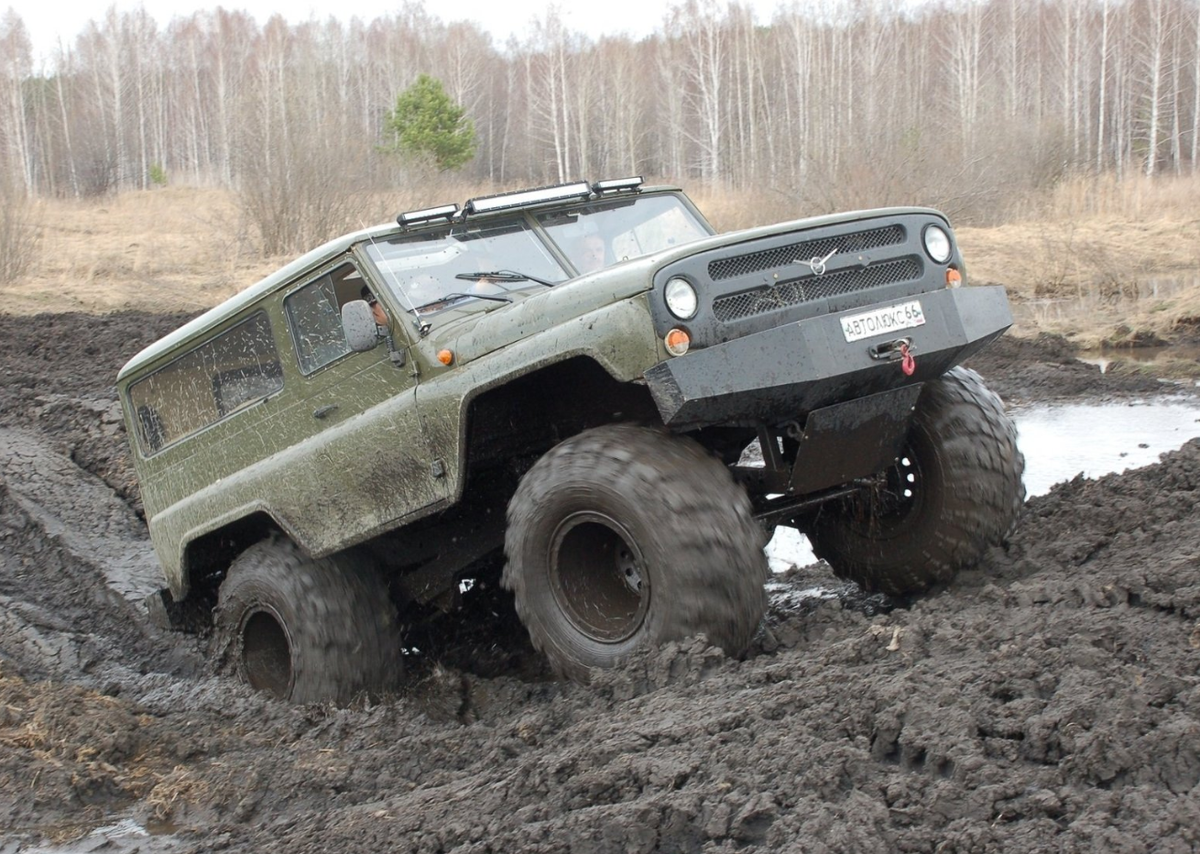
point(80, 512)
point(77, 564)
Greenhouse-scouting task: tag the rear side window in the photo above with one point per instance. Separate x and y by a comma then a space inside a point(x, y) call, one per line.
point(214, 380)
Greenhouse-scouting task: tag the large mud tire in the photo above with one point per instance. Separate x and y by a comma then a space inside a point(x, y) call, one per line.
point(307, 630)
point(623, 538)
point(956, 490)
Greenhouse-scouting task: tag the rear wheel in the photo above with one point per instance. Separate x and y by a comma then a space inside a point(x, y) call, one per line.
point(954, 491)
point(621, 538)
point(307, 630)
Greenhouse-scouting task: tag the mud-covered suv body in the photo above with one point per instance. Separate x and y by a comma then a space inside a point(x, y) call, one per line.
point(272, 417)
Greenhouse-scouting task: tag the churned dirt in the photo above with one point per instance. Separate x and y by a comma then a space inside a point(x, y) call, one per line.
point(1047, 701)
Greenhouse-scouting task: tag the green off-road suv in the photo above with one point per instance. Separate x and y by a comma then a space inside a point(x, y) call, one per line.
point(585, 391)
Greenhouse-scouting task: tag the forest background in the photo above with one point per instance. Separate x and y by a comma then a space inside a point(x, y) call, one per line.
point(1073, 124)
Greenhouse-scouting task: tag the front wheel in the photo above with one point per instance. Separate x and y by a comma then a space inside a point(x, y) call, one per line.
point(622, 538)
point(955, 490)
point(307, 630)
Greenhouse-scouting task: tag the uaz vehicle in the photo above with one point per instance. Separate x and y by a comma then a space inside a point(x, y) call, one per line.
point(569, 382)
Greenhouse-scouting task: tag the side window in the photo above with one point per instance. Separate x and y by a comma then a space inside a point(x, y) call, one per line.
point(217, 378)
point(316, 321)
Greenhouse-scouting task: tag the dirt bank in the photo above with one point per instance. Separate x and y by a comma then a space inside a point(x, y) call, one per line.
point(1048, 701)
point(1042, 369)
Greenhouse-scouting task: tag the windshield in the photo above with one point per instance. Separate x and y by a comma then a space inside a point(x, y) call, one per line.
point(433, 270)
point(605, 233)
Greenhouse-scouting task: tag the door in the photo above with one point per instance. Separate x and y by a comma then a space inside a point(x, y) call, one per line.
point(358, 461)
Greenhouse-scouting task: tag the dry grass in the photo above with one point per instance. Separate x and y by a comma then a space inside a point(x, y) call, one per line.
point(168, 792)
point(1101, 261)
point(169, 249)
point(20, 233)
point(1170, 197)
point(158, 250)
point(1101, 256)
point(731, 210)
point(73, 743)
point(1075, 259)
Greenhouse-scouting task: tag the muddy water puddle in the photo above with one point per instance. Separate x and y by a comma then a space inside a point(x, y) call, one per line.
point(124, 835)
point(1061, 441)
point(1144, 355)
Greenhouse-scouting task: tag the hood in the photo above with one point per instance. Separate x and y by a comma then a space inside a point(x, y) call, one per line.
point(479, 332)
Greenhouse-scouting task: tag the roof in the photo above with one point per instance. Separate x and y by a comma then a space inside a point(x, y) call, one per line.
point(231, 307)
point(237, 303)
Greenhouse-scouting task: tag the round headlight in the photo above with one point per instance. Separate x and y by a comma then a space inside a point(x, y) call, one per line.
point(937, 244)
point(681, 298)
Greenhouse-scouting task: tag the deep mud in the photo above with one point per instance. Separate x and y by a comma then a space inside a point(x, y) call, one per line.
point(1047, 701)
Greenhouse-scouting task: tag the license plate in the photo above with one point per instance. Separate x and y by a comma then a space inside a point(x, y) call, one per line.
point(881, 321)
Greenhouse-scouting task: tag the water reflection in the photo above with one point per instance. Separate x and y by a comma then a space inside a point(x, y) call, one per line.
point(1060, 441)
point(1104, 358)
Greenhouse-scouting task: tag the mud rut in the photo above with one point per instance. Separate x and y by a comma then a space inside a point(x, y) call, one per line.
point(1049, 701)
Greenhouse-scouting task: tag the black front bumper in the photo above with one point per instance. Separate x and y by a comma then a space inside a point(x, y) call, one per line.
point(784, 373)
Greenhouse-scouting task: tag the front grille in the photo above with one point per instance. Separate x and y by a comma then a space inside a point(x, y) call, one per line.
point(782, 256)
point(783, 294)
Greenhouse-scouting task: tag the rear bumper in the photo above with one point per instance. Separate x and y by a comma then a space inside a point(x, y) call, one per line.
point(785, 372)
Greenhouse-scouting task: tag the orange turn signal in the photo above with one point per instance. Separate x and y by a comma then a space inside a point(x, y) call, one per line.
point(446, 357)
point(677, 342)
point(953, 278)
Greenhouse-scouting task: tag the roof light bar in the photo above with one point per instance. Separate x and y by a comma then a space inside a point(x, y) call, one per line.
point(527, 198)
point(427, 215)
point(617, 185)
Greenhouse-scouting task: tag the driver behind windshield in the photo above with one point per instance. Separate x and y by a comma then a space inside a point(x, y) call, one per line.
point(589, 254)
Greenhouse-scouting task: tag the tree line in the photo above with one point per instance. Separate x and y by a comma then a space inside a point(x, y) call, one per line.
point(822, 107)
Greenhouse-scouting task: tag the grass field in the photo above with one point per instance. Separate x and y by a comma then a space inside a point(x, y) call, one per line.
point(1096, 260)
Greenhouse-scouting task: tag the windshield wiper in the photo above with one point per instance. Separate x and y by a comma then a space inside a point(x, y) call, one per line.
point(504, 276)
point(457, 296)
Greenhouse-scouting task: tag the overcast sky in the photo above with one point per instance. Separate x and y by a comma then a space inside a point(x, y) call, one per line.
point(50, 20)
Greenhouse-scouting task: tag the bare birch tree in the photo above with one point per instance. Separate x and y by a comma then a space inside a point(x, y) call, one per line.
point(16, 64)
point(871, 99)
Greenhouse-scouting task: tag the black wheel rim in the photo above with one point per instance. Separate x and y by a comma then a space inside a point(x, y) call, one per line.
point(598, 577)
point(886, 508)
point(266, 659)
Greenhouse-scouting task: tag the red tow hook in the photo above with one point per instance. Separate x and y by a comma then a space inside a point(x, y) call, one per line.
point(898, 350)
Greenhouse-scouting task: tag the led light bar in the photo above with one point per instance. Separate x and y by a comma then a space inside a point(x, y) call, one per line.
point(617, 185)
point(427, 215)
point(527, 198)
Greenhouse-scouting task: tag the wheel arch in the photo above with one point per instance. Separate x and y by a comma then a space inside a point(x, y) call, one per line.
point(206, 556)
point(519, 418)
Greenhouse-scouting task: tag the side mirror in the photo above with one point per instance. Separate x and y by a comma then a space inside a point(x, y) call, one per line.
point(358, 324)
